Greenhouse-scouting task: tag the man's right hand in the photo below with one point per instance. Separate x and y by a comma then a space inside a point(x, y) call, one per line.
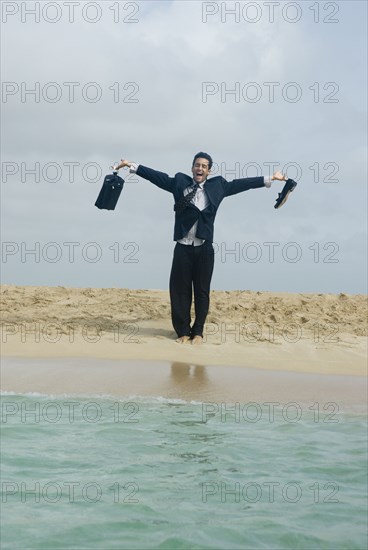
point(122, 164)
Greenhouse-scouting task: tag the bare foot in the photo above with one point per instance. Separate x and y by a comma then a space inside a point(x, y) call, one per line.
point(197, 340)
point(183, 339)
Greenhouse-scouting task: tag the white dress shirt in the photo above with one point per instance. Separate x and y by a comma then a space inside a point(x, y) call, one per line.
point(200, 200)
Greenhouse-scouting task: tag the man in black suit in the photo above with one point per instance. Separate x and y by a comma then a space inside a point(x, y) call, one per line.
point(197, 199)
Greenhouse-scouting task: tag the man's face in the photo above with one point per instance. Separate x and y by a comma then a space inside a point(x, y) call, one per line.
point(200, 170)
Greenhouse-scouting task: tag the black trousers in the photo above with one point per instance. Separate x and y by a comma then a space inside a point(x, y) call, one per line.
point(192, 269)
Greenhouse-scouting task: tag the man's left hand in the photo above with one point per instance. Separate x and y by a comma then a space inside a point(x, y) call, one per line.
point(279, 176)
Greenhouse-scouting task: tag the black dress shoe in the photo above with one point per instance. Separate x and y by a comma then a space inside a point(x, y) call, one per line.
point(287, 189)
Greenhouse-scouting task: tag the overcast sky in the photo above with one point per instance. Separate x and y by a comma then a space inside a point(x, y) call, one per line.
point(156, 82)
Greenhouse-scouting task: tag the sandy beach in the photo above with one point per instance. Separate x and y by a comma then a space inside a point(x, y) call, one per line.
point(315, 334)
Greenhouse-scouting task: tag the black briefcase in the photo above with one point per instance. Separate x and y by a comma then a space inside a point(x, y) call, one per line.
point(110, 192)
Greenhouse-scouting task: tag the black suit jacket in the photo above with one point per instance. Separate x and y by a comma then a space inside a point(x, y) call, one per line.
point(216, 188)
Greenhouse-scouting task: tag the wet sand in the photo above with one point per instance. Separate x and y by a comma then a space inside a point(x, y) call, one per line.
point(177, 380)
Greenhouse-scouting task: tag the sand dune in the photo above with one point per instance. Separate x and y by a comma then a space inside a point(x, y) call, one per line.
point(111, 305)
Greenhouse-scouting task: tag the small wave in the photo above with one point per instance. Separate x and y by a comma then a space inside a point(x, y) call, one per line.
point(103, 396)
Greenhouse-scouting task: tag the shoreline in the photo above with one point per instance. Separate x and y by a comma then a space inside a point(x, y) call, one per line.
point(216, 384)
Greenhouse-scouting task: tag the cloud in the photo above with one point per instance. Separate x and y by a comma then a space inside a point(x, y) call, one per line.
point(163, 61)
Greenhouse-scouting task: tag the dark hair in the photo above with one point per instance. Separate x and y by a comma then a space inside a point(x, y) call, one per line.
point(203, 156)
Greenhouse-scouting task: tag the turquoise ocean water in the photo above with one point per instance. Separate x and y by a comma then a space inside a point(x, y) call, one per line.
point(137, 473)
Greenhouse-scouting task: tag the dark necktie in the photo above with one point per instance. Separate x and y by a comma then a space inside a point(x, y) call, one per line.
point(184, 202)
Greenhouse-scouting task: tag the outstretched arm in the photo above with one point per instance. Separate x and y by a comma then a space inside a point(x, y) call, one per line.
point(160, 179)
point(244, 184)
